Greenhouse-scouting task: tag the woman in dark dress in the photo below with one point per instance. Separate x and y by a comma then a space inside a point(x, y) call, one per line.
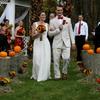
point(19, 34)
point(97, 37)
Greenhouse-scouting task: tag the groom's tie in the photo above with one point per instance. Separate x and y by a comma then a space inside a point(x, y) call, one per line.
point(79, 28)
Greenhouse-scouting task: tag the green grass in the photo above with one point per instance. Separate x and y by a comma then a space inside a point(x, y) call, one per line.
point(70, 89)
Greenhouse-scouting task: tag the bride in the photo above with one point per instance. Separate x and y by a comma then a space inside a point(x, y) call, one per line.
point(41, 50)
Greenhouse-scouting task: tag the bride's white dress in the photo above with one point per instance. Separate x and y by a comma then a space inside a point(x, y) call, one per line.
point(41, 57)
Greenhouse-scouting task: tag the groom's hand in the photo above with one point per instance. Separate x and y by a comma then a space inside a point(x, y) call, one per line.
point(51, 28)
point(61, 27)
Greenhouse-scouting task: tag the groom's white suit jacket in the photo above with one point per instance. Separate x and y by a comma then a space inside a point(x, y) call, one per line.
point(66, 34)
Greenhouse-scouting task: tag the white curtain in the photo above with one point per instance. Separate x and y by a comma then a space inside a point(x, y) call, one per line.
point(3, 15)
point(22, 16)
point(9, 13)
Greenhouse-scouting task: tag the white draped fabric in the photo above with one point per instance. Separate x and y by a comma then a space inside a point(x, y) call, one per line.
point(9, 13)
point(3, 15)
point(22, 16)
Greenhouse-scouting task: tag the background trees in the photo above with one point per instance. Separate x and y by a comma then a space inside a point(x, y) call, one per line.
point(36, 8)
point(89, 9)
point(72, 8)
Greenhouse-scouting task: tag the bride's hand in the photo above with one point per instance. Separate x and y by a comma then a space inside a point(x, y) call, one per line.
point(35, 34)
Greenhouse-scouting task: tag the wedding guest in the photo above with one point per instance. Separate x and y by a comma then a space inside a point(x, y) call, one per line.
point(8, 31)
point(19, 34)
point(3, 38)
point(81, 35)
point(41, 50)
point(51, 16)
point(97, 36)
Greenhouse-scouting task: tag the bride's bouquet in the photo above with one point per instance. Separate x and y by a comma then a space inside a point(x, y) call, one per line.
point(40, 30)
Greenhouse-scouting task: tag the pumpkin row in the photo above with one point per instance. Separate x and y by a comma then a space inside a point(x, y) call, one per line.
point(17, 49)
point(87, 47)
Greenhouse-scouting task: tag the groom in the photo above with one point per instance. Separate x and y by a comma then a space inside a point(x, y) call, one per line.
point(61, 29)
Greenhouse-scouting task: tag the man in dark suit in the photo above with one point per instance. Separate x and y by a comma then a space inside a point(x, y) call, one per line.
point(97, 37)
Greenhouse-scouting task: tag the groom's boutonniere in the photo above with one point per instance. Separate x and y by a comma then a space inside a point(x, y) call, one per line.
point(64, 22)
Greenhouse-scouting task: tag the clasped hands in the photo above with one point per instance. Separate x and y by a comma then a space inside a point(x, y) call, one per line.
point(61, 27)
point(52, 28)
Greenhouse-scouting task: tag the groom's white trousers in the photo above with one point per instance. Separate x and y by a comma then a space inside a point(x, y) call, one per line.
point(58, 53)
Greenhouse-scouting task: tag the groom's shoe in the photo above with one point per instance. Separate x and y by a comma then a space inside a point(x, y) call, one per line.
point(57, 78)
point(31, 78)
point(64, 76)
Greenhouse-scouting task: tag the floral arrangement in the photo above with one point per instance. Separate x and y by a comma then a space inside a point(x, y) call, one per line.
point(12, 74)
point(4, 80)
point(87, 71)
point(40, 29)
point(23, 67)
point(24, 64)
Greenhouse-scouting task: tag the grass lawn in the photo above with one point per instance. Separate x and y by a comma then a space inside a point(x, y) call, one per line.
point(71, 89)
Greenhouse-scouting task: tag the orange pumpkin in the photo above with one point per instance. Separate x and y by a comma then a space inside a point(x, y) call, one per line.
point(86, 47)
point(17, 49)
point(3, 54)
point(98, 80)
point(98, 50)
point(90, 51)
point(12, 53)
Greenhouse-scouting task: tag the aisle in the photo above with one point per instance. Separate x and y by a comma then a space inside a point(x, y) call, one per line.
point(71, 89)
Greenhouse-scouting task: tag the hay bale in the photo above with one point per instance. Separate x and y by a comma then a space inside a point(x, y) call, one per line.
point(97, 64)
point(91, 61)
point(15, 62)
point(4, 66)
point(9, 64)
point(87, 59)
